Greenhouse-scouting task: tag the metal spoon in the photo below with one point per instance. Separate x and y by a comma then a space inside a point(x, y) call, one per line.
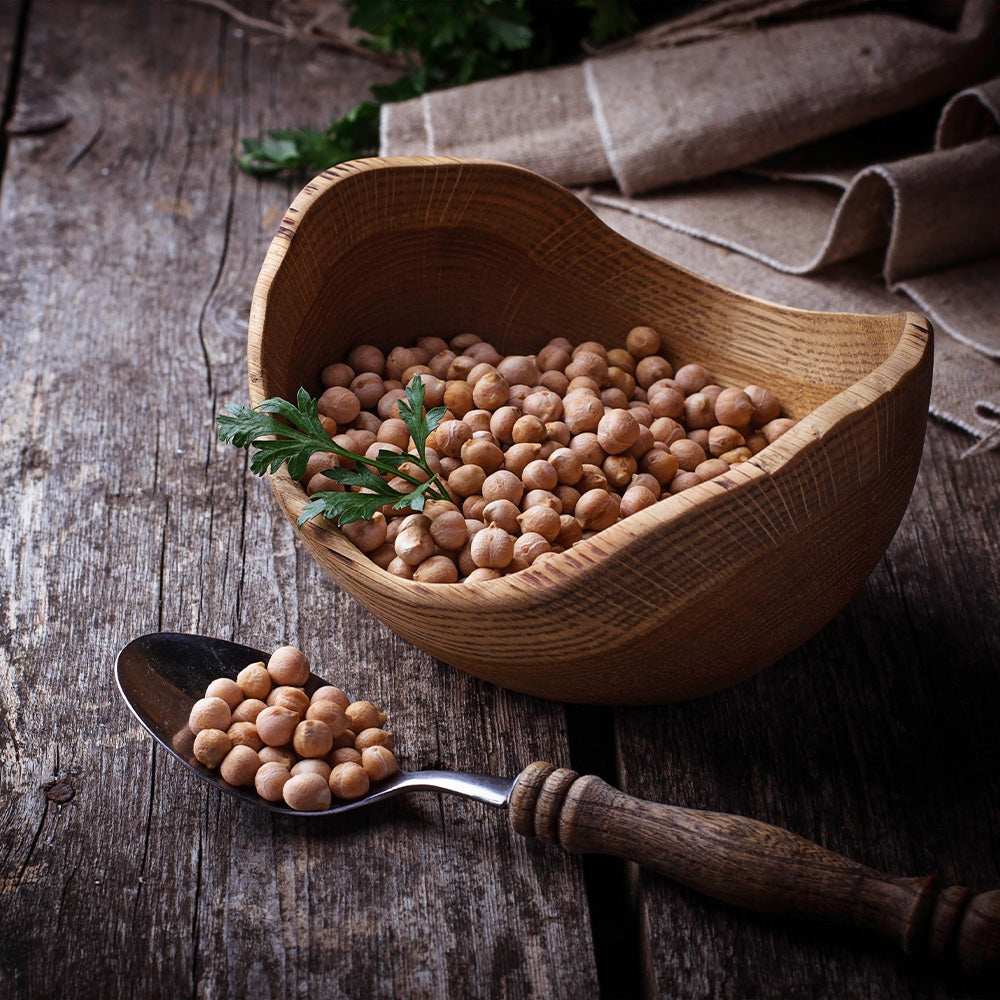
point(731, 858)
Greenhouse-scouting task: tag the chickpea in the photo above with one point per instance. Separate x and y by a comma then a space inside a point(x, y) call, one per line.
point(226, 689)
point(582, 412)
point(345, 739)
point(636, 498)
point(666, 430)
point(570, 531)
point(734, 408)
point(327, 692)
point(414, 544)
point(211, 746)
point(592, 477)
point(288, 665)
point(339, 404)
point(660, 463)
point(723, 438)
point(528, 428)
point(366, 358)
point(699, 411)
point(553, 357)
point(449, 530)
point(436, 569)
point(291, 697)
point(540, 475)
point(284, 756)
point(364, 715)
point(568, 496)
point(684, 480)
point(312, 738)
point(306, 793)
point(209, 713)
point(493, 548)
point(518, 456)
point(642, 341)
point(688, 454)
point(270, 780)
point(373, 737)
point(519, 369)
point(481, 574)
point(337, 374)
point(765, 405)
point(597, 509)
point(244, 734)
point(529, 546)
point(463, 341)
point(248, 710)
point(369, 388)
point(448, 438)
point(343, 755)
point(349, 781)
point(473, 506)
point(484, 353)
point(691, 378)
point(379, 763)
point(619, 470)
point(439, 363)
point(711, 468)
point(588, 448)
point(651, 369)
point(276, 724)
point(312, 765)
point(401, 358)
point(458, 396)
point(330, 713)
point(239, 766)
point(366, 535)
point(773, 429)
point(545, 403)
point(254, 681)
point(540, 519)
point(613, 398)
point(502, 485)
point(589, 363)
point(459, 368)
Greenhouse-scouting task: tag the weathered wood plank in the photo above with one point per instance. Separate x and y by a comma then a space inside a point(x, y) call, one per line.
point(123, 317)
point(876, 739)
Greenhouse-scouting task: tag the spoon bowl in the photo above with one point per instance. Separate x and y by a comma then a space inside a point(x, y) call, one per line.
point(740, 861)
point(161, 675)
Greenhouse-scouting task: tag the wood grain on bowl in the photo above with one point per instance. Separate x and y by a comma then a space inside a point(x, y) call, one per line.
point(686, 597)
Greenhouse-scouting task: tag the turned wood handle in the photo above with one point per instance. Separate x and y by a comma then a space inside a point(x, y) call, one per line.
point(758, 866)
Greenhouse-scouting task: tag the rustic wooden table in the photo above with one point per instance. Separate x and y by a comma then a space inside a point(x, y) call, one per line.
point(131, 244)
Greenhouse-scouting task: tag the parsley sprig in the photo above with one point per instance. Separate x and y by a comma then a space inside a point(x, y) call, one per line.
point(285, 433)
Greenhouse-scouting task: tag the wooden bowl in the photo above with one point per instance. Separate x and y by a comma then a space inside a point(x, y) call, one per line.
point(685, 598)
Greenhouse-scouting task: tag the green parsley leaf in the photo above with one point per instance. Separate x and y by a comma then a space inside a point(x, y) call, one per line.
point(288, 434)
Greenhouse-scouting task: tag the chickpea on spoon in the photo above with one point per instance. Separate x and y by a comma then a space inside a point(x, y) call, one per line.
point(741, 861)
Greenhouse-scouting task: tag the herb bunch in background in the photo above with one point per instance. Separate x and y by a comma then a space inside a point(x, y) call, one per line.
point(442, 43)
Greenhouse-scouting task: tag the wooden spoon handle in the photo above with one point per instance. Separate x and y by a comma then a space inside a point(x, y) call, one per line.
point(758, 866)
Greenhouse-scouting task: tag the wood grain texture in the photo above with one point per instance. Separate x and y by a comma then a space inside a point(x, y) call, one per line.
point(761, 868)
point(124, 317)
point(131, 247)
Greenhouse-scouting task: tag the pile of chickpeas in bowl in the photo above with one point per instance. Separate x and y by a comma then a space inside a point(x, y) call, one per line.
point(537, 451)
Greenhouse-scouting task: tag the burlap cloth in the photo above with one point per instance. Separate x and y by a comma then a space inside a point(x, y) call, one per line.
point(848, 161)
